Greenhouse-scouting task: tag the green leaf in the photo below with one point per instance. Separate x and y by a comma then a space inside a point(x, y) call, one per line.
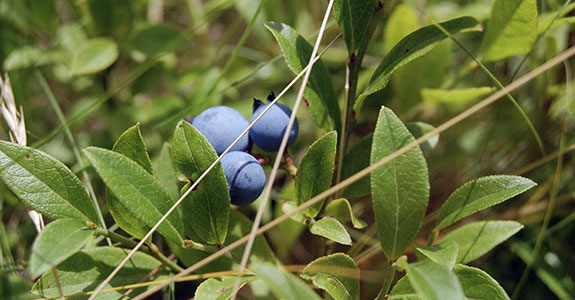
point(410, 79)
point(454, 99)
point(289, 206)
point(84, 270)
point(44, 183)
point(283, 284)
point(411, 47)
point(315, 171)
point(478, 238)
point(131, 144)
point(356, 158)
point(337, 274)
point(158, 38)
point(512, 29)
point(477, 284)
point(402, 290)
point(94, 56)
point(353, 17)
point(58, 241)
point(341, 210)
point(480, 194)
point(434, 282)
point(419, 129)
point(443, 254)
point(112, 16)
point(331, 229)
point(137, 189)
point(206, 211)
point(323, 103)
point(400, 189)
point(164, 171)
point(219, 288)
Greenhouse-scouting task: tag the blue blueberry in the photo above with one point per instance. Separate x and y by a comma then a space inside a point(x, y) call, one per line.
point(268, 132)
point(221, 125)
point(245, 176)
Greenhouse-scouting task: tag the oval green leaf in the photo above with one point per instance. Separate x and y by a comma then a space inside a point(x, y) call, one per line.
point(512, 29)
point(94, 56)
point(477, 284)
point(341, 210)
point(131, 144)
point(336, 274)
point(137, 189)
point(164, 171)
point(480, 194)
point(315, 171)
point(331, 229)
point(454, 99)
point(219, 288)
point(45, 183)
point(283, 284)
point(443, 254)
point(411, 47)
point(400, 189)
point(323, 103)
point(478, 238)
point(56, 242)
point(206, 210)
point(419, 129)
point(353, 17)
point(158, 38)
point(79, 273)
point(433, 281)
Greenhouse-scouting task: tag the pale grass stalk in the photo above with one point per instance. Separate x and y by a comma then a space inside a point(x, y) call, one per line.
point(195, 184)
point(281, 150)
point(447, 125)
point(17, 131)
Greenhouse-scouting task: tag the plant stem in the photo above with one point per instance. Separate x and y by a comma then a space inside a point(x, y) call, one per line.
point(151, 250)
point(352, 76)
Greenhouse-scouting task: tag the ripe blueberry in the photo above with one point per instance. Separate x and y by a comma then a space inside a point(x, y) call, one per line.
point(245, 176)
point(268, 132)
point(221, 125)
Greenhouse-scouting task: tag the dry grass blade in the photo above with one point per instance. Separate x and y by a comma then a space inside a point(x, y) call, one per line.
point(450, 123)
point(195, 184)
point(281, 150)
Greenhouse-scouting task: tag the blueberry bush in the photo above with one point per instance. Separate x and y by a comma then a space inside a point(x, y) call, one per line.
point(407, 149)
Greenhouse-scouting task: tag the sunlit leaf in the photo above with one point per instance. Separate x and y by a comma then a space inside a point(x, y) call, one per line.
point(400, 189)
point(315, 171)
point(511, 30)
point(206, 210)
point(44, 183)
point(320, 95)
point(331, 229)
point(337, 274)
point(478, 238)
point(480, 194)
point(56, 242)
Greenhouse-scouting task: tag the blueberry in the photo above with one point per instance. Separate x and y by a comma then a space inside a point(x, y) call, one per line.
point(268, 132)
point(221, 125)
point(245, 176)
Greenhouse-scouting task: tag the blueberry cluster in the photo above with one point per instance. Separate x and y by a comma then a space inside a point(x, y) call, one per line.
point(221, 125)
